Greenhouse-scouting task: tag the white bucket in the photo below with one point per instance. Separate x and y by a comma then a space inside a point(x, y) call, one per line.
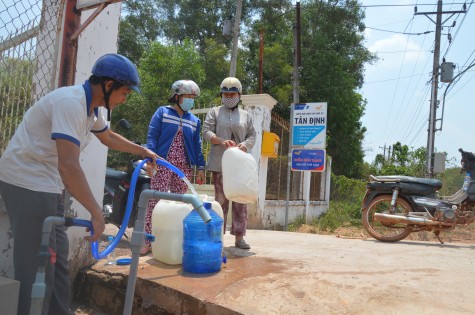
point(167, 227)
point(240, 176)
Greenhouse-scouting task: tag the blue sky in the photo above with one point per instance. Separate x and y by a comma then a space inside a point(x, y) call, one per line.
point(397, 87)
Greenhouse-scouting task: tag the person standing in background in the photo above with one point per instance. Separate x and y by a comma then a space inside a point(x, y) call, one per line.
point(229, 126)
point(174, 134)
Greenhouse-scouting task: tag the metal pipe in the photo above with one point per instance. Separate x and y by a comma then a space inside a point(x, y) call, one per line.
point(91, 18)
point(390, 218)
point(38, 289)
point(234, 53)
point(69, 50)
point(187, 198)
point(394, 199)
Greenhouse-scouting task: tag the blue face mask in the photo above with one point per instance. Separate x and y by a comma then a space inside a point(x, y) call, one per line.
point(187, 104)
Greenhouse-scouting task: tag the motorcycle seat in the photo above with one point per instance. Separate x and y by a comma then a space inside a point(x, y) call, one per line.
point(113, 174)
point(435, 183)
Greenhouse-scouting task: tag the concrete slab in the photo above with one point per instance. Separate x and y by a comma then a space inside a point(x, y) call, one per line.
point(294, 273)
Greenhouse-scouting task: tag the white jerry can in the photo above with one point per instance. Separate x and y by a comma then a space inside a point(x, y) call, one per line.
point(240, 176)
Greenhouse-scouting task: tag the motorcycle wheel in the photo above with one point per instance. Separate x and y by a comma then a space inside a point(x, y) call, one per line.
point(386, 232)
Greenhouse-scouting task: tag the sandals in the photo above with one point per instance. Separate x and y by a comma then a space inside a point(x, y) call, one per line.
point(145, 250)
point(242, 244)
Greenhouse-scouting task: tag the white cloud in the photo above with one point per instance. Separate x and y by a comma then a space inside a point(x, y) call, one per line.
point(394, 50)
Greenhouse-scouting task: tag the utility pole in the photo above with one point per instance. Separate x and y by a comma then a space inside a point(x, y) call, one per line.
point(435, 82)
point(384, 150)
point(261, 58)
point(296, 93)
point(237, 21)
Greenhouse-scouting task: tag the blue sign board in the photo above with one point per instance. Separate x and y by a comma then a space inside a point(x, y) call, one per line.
point(309, 125)
point(308, 160)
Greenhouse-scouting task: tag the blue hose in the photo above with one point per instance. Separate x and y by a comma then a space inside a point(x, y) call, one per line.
point(170, 166)
point(128, 210)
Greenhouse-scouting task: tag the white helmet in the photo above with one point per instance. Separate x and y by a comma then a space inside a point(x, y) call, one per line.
point(185, 87)
point(231, 84)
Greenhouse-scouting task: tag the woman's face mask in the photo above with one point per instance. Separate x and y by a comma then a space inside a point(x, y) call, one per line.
point(230, 102)
point(187, 103)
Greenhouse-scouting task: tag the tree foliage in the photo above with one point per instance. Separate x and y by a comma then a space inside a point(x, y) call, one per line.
point(332, 67)
point(402, 160)
point(160, 66)
point(16, 77)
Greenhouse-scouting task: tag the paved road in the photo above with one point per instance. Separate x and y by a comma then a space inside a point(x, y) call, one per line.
point(318, 274)
point(296, 273)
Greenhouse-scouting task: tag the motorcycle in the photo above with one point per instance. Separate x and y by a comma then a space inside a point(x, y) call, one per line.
point(396, 206)
point(116, 190)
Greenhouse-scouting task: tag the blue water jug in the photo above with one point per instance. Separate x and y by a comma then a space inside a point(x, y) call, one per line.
point(202, 242)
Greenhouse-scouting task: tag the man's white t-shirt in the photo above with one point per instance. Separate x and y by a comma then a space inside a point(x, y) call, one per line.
point(31, 159)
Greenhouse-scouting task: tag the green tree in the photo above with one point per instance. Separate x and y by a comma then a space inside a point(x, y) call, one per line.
point(403, 161)
point(159, 67)
point(333, 57)
point(16, 77)
point(333, 62)
point(139, 26)
point(452, 180)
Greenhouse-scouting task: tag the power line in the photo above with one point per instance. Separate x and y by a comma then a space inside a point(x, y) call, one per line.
point(457, 31)
point(388, 31)
point(397, 82)
point(404, 5)
point(393, 79)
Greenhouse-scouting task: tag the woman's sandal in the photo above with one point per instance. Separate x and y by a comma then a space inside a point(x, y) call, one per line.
point(242, 244)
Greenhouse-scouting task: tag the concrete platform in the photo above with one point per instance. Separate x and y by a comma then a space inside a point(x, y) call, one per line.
point(295, 273)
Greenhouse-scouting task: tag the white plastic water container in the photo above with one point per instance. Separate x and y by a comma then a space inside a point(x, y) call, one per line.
point(167, 227)
point(240, 176)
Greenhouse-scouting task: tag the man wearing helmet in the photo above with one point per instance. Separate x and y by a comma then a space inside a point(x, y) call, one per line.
point(228, 126)
point(43, 158)
point(174, 134)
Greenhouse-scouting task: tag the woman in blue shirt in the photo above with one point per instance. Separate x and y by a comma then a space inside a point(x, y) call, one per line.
point(174, 134)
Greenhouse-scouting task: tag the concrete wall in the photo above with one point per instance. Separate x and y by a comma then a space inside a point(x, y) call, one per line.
point(99, 38)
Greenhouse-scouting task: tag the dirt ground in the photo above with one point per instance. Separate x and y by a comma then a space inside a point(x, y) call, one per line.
point(465, 235)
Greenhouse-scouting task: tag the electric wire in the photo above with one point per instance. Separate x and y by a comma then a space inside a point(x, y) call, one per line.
point(403, 33)
point(417, 112)
point(409, 124)
point(415, 121)
point(405, 105)
point(418, 133)
point(397, 84)
point(458, 29)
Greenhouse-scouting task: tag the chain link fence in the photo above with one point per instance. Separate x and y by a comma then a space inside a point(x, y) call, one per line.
point(28, 48)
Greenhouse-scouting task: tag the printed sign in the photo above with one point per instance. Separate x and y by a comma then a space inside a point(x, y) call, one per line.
point(309, 125)
point(308, 160)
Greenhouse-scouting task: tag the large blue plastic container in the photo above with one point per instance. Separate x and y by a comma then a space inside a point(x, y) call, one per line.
point(202, 242)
